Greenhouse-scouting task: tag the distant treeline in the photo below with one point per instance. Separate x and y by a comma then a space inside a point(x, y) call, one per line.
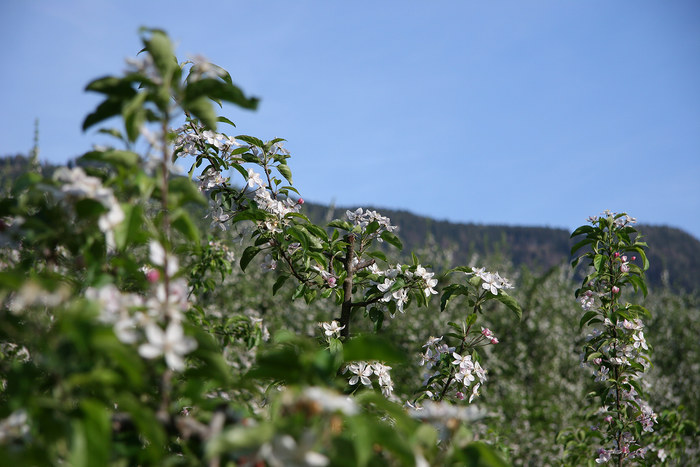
point(674, 254)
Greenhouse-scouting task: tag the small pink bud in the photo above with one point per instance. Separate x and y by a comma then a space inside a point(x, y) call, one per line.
point(616, 255)
point(331, 281)
point(624, 258)
point(300, 201)
point(615, 289)
point(598, 361)
point(494, 340)
point(633, 258)
point(460, 395)
point(608, 419)
point(152, 276)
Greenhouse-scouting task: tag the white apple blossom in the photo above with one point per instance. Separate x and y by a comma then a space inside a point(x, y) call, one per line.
point(172, 343)
point(331, 329)
point(361, 371)
point(254, 179)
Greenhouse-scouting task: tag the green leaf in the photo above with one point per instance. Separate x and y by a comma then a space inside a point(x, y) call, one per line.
point(161, 49)
point(377, 255)
point(203, 110)
point(226, 120)
point(250, 215)
point(598, 262)
point(181, 221)
point(112, 86)
point(585, 318)
point(640, 310)
point(182, 191)
point(130, 231)
point(279, 282)
point(372, 347)
point(638, 284)
point(584, 229)
point(581, 244)
point(510, 302)
point(248, 254)
point(391, 239)
point(316, 231)
point(450, 291)
point(220, 91)
point(301, 236)
point(340, 224)
point(113, 157)
point(251, 140)
point(134, 116)
point(285, 171)
point(109, 108)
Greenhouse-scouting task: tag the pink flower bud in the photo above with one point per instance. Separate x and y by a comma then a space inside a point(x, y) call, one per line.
point(633, 258)
point(494, 340)
point(300, 201)
point(615, 289)
point(624, 258)
point(152, 276)
point(608, 419)
point(460, 395)
point(331, 281)
point(616, 255)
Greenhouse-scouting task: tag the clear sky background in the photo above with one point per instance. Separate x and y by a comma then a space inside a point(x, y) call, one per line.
point(520, 112)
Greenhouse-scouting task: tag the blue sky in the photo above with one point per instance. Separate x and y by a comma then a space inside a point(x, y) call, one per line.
point(502, 112)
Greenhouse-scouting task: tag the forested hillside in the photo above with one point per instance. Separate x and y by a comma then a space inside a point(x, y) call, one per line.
point(674, 258)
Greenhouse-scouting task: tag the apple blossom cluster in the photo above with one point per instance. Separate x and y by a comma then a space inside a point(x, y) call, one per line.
point(194, 140)
point(223, 249)
point(280, 208)
point(133, 316)
point(622, 221)
point(419, 278)
point(78, 185)
point(362, 218)
point(463, 368)
point(362, 371)
point(491, 281)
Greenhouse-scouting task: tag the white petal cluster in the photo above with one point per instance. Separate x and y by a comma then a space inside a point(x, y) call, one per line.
point(211, 178)
point(172, 343)
point(77, 184)
point(491, 281)
point(195, 141)
point(426, 277)
point(266, 202)
point(362, 218)
point(362, 371)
